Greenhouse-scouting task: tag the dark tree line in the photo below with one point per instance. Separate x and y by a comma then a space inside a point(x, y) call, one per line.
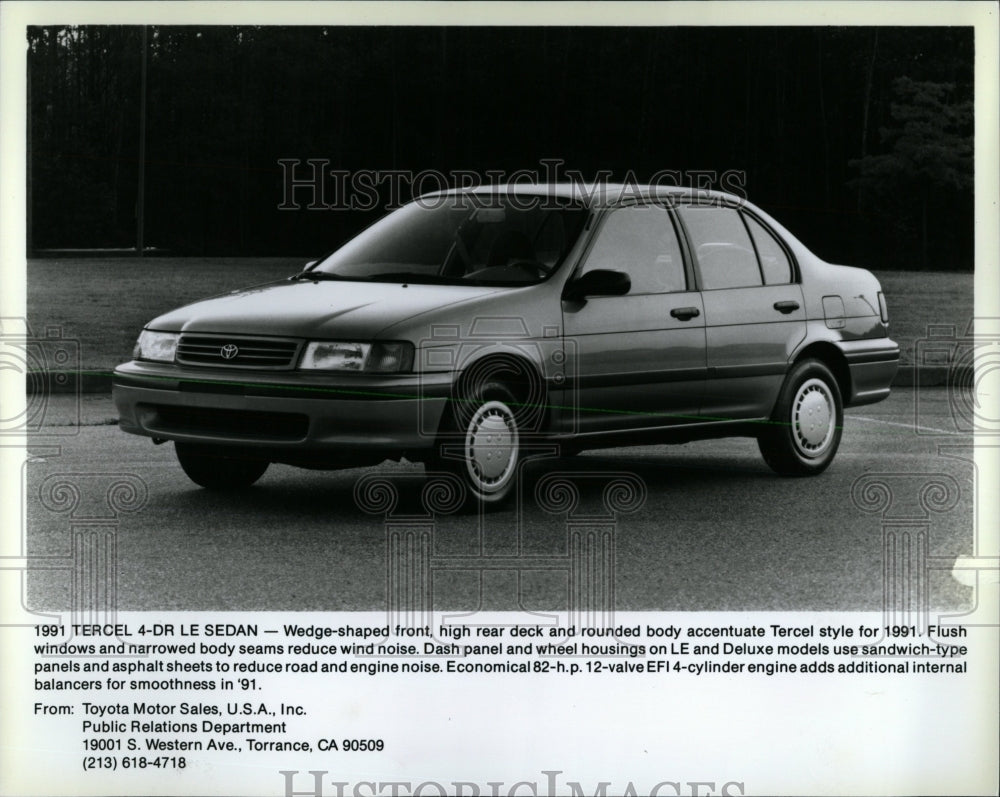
point(859, 139)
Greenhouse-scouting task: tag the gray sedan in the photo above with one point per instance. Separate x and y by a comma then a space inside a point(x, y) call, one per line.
point(472, 329)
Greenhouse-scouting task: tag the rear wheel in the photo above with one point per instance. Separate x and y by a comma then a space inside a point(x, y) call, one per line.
point(804, 432)
point(206, 466)
point(480, 443)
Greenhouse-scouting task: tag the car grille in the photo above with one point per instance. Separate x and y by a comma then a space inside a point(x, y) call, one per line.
point(244, 352)
point(241, 424)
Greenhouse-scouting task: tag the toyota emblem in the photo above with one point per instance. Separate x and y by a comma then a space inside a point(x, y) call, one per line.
point(229, 351)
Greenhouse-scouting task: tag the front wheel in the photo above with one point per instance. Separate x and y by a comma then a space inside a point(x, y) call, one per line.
point(480, 443)
point(209, 468)
point(804, 432)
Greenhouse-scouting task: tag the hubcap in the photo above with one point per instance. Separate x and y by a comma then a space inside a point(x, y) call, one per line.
point(814, 418)
point(491, 446)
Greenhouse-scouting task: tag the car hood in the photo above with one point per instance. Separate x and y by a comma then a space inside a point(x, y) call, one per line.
point(352, 310)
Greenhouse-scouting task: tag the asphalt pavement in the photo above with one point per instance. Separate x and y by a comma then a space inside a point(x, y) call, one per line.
point(699, 526)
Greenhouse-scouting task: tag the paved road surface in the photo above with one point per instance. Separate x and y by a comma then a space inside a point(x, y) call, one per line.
point(716, 530)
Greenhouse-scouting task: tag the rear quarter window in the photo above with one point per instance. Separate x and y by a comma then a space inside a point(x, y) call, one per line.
point(774, 263)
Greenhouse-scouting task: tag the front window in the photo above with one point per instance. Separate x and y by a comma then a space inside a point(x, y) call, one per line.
point(456, 240)
point(642, 242)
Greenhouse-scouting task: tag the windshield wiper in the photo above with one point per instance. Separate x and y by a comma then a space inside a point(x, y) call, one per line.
point(316, 275)
point(401, 277)
point(409, 276)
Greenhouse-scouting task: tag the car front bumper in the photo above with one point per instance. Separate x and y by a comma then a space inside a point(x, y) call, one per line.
point(286, 415)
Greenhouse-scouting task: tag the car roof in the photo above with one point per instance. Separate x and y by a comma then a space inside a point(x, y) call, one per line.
point(600, 194)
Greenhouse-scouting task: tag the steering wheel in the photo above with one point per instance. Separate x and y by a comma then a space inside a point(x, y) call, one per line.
point(533, 265)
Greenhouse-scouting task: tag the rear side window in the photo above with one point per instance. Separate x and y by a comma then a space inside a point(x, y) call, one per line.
point(722, 247)
point(642, 242)
point(773, 261)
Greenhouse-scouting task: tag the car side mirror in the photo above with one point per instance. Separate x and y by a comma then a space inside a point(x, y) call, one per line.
point(599, 282)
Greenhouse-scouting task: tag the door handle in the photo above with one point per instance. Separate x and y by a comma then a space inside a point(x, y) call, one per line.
point(685, 313)
point(786, 307)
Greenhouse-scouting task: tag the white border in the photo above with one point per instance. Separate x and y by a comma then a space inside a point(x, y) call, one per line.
point(890, 722)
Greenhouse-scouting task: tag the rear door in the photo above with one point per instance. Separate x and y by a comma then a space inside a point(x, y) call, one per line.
point(754, 309)
point(636, 360)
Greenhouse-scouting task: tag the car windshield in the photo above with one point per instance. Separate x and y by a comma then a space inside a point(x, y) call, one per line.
point(462, 239)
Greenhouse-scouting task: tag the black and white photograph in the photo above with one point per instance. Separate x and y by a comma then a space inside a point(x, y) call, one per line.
point(607, 376)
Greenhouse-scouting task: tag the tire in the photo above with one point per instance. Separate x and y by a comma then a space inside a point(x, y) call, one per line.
point(206, 467)
point(479, 442)
point(804, 432)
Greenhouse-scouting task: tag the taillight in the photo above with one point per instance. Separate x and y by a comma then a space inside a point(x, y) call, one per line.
point(883, 308)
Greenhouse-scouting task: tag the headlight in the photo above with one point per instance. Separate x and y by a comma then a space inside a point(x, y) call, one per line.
point(157, 346)
point(330, 356)
point(376, 358)
point(390, 358)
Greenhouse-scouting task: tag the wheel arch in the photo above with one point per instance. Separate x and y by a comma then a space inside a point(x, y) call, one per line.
point(518, 372)
point(834, 359)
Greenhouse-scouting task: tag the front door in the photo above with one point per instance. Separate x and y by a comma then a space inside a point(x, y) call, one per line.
point(636, 360)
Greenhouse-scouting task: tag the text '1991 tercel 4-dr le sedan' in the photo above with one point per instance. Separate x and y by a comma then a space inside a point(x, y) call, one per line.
point(470, 329)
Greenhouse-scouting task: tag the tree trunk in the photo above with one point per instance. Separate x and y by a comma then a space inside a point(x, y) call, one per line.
point(868, 100)
point(822, 122)
point(924, 260)
point(29, 244)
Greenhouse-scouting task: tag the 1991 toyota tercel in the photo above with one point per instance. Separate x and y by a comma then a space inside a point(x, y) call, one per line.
point(469, 328)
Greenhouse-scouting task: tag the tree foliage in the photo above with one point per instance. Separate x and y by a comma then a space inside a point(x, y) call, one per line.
point(798, 110)
point(926, 168)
